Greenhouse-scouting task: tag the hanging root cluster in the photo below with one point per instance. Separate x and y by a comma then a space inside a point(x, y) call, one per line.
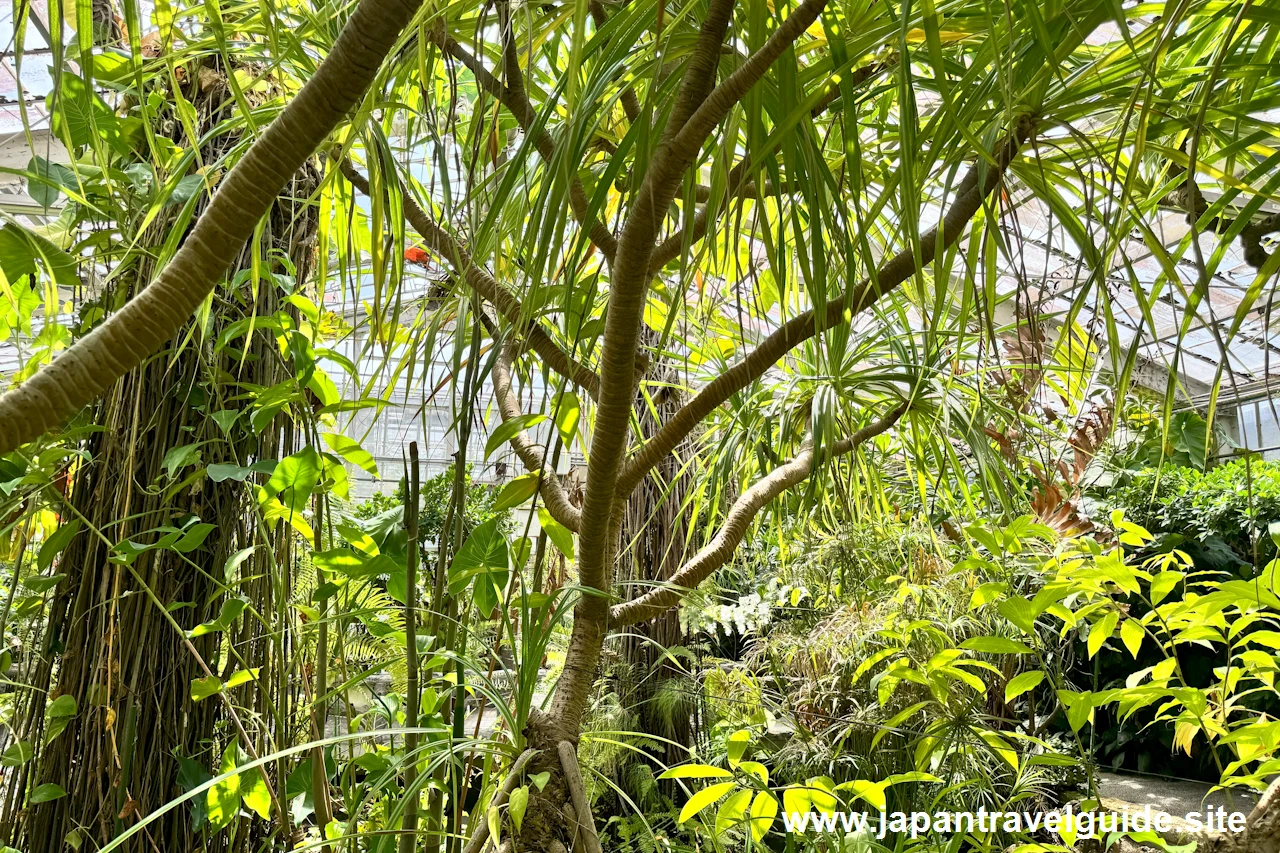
point(115, 639)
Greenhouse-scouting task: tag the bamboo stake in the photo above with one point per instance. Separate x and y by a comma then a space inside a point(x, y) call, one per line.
point(439, 590)
point(410, 824)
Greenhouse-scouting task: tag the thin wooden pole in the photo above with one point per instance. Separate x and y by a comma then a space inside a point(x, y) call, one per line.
point(409, 837)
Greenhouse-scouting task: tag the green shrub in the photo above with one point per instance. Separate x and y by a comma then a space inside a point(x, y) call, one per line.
point(436, 495)
point(1235, 503)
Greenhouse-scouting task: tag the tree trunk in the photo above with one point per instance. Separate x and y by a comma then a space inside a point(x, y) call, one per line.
point(1262, 829)
point(655, 539)
point(114, 642)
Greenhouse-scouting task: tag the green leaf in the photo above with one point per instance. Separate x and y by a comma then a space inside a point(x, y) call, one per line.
point(987, 592)
point(1133, 535)
point(1079, 708)
point(1022, 683)
point(177, 458)
point(350, 450)
point(17, 755)
point(42, 584)
point(986, 538)
point(1191, 436)
point(21, 250)
point(255, 794)
point(495, 825)
point(192, 775)
point(54, 545)
point(79, 114)
point(58, 715)
point(764, 808)
point(273, 511)
point(353, 564)
point(46, 793)
point(486, 595)
point(695, 771)
point(822, 794)
point(1131, 634)
point(226, 419)
point(912, 776)
point(559, 535)
point(373, 764)
point(733, 811)
point(235, 561)
point(203, 688)
point(231, 610)
point(795, 799)
point(1020, 612)
point(1101, 631)
point(568, 411)
point(508, 430)
point(185, 190)
point(1163, 584)
point(539, 780)
point(1001, 747)
point(1112, 566)
point(996, 646)
point(221, 472)
point(870, 663)
point(293, 480)
point(517, 804)
point(222, 800)
point(872, 792)
point(518, 491)
point(193, 537)
point(704, 798)
point(521, 547)
point(47, 180)
point(483, 554)
point(737, 745)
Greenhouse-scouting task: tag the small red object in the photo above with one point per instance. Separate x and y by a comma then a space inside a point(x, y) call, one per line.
point(416, 255)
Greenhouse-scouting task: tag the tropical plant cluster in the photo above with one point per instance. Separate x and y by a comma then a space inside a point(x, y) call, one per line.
point(621, 425)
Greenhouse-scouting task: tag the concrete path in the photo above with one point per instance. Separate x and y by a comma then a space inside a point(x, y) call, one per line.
point(1176, 797)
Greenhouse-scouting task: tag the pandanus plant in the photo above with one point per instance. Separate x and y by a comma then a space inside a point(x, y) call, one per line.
point(862, 155)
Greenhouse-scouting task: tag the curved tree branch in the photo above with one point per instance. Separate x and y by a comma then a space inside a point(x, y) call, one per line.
point(629, 285)
point(715, 107)
point(700, 73)
point(978, 183)
point(510, 55)
point(629, 280)
point(1189, 199)
point(529, 451)
point(489, 288)
point(156, 314)
point(738, 520)
point(516, 100)
point(630, 101)
point(738, 183)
